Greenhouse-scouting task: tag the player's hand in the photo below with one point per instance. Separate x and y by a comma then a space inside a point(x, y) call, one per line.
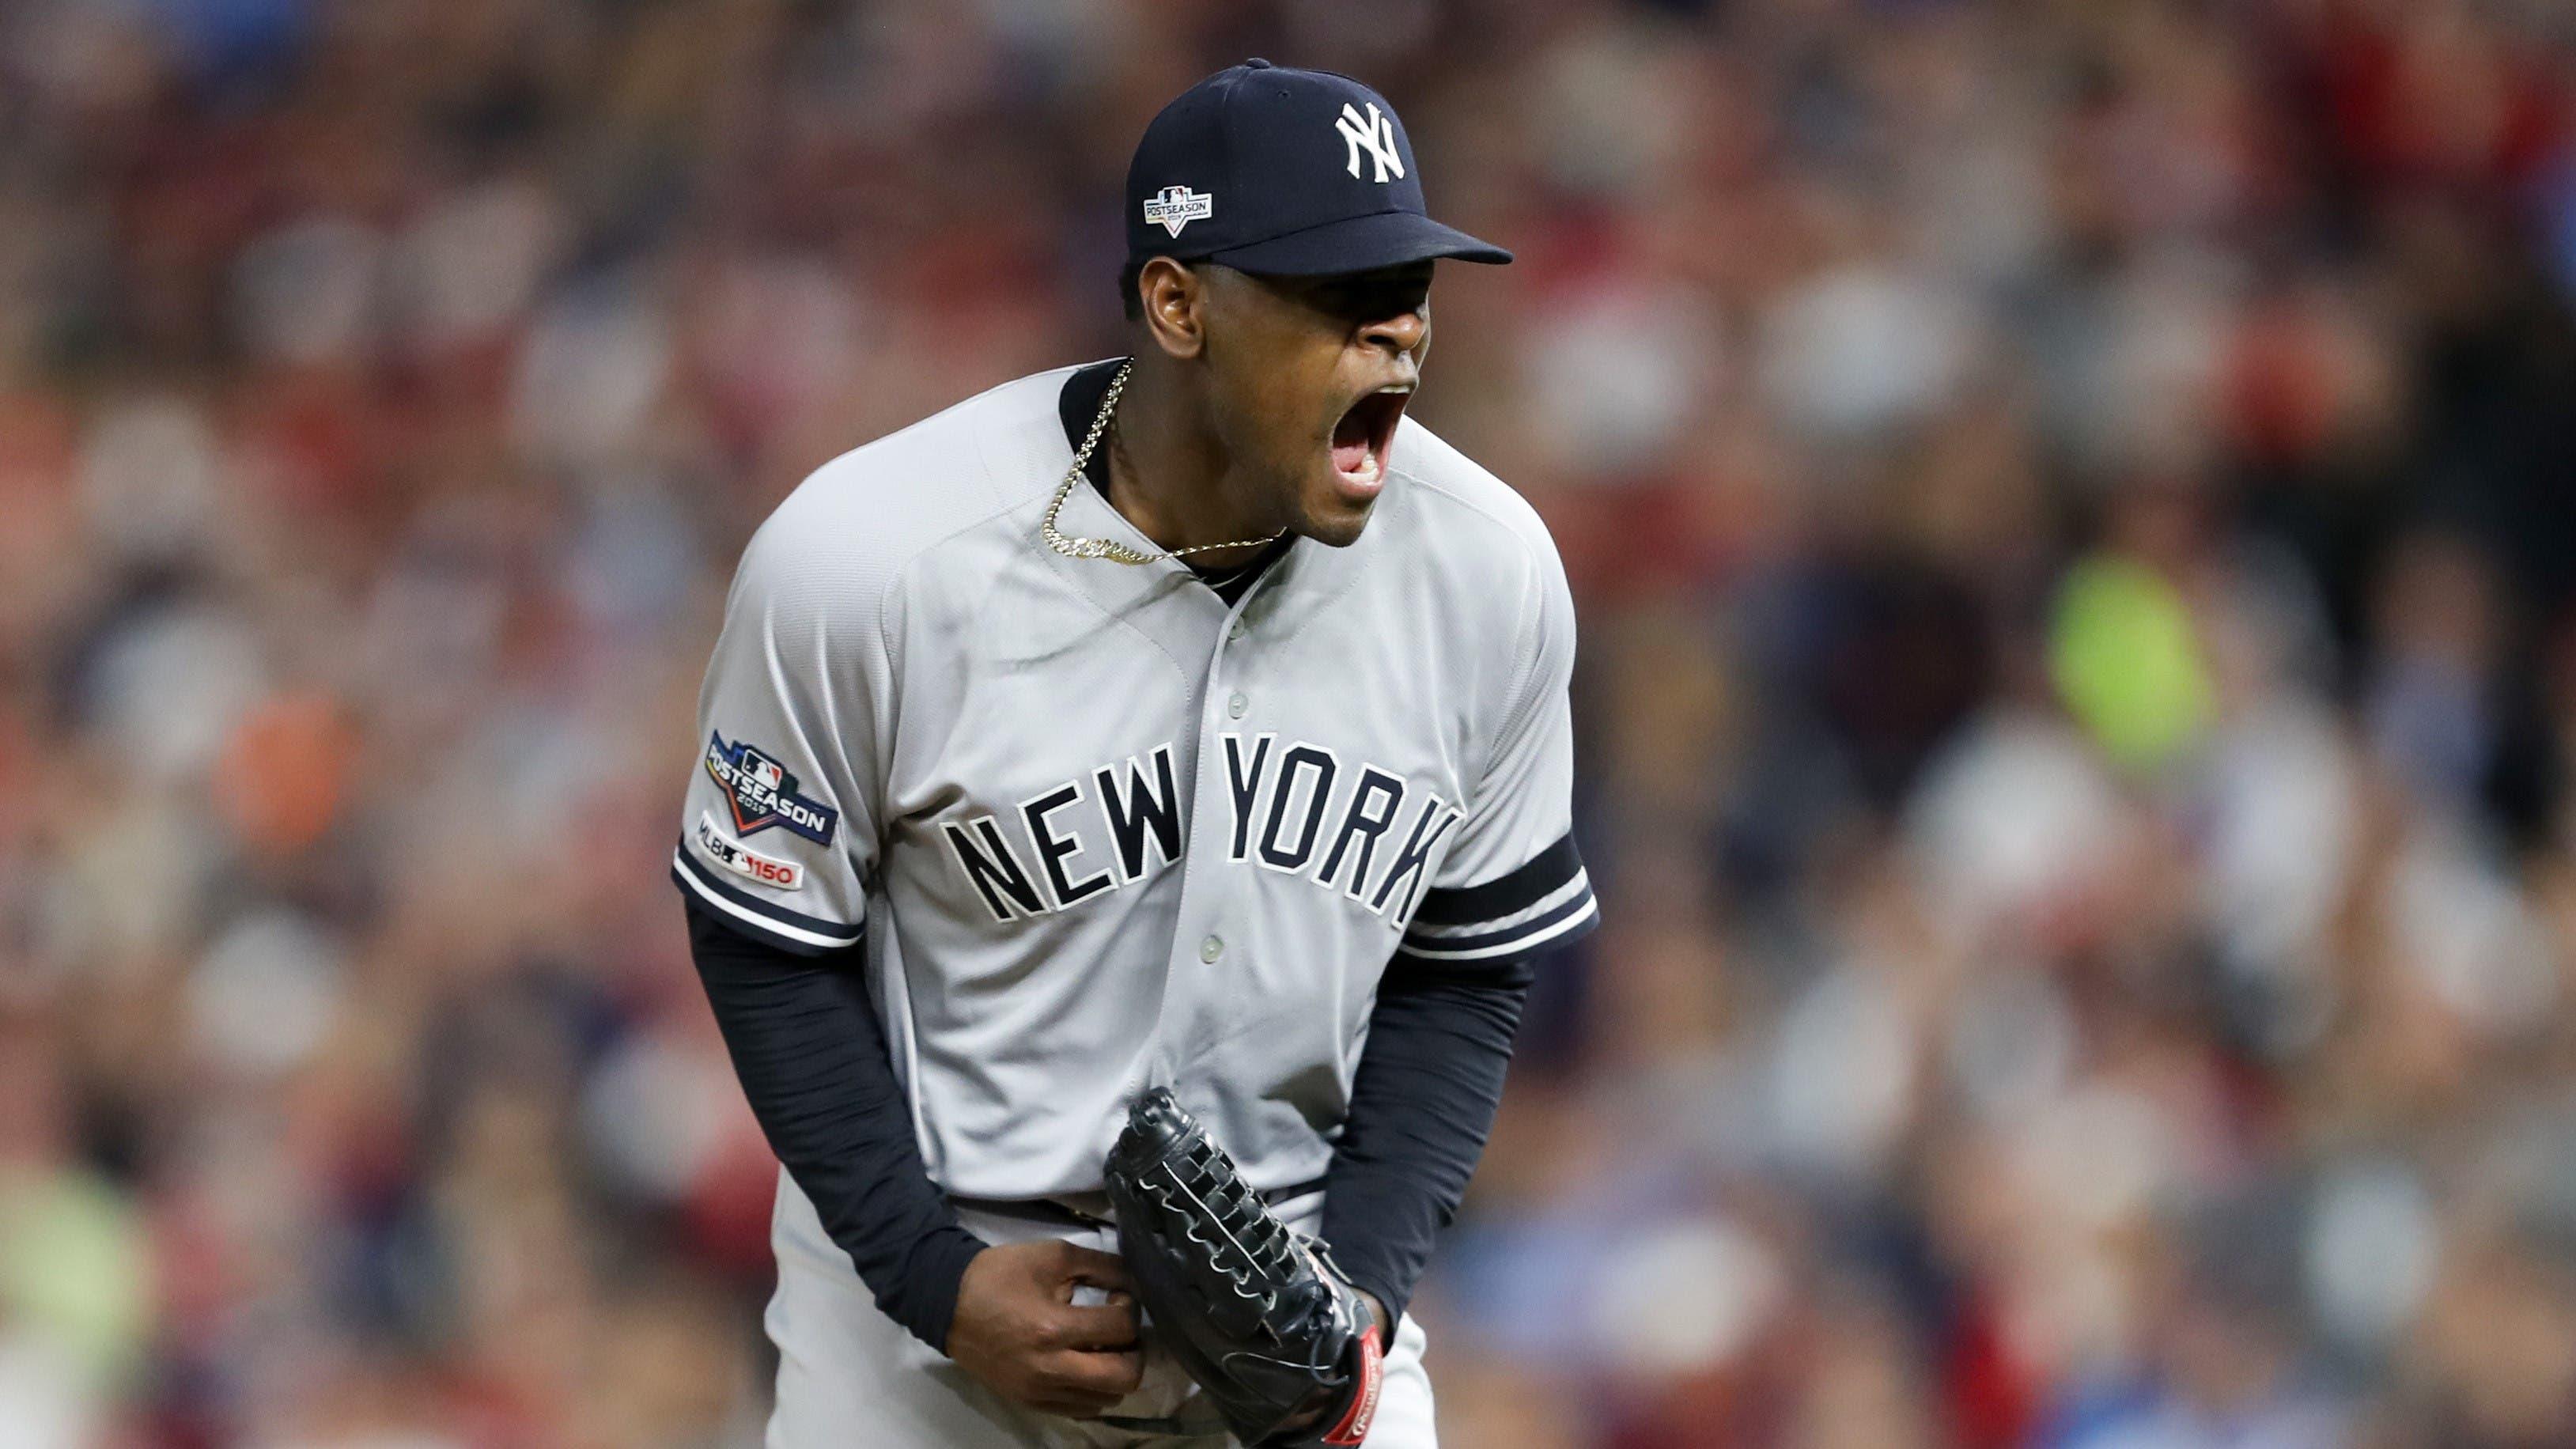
point(1019, 1332)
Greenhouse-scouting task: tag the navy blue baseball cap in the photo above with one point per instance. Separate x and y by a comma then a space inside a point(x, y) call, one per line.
point(1297, 173)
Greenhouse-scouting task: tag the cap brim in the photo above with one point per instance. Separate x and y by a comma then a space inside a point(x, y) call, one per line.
point(1359, 244)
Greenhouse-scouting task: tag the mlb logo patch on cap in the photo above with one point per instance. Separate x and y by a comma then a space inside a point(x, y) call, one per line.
point(1175, 207)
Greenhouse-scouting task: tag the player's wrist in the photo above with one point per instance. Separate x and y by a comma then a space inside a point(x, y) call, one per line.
point(1385, 1307)
point(934, 1283)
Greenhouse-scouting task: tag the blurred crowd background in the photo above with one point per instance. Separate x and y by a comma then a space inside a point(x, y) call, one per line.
point(2072, 505)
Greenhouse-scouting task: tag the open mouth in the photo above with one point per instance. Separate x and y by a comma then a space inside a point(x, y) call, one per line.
point(1362, 437)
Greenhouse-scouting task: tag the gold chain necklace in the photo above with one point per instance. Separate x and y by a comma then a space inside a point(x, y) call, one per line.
point(1108, 548)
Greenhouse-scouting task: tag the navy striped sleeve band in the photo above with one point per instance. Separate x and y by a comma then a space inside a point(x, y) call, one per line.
point(1547, 902)
point(759, 919)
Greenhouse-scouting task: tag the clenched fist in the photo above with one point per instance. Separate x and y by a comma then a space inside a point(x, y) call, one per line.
point(1019, 1332)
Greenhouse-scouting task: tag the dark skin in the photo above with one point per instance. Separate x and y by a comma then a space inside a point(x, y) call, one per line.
point(1019, 1332)
point(1225, 431)
point(1226, 426)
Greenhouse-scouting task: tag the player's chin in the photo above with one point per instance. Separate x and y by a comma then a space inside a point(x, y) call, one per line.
point(1335, 511)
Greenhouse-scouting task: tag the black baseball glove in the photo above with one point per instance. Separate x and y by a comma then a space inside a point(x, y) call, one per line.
point(1282, 1344)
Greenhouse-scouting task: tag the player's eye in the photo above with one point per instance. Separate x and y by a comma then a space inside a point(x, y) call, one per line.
point(1377, 299)
point(1368, 297)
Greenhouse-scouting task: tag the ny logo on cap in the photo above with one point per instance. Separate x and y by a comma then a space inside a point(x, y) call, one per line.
point(1376, 132)
point(1175, 207)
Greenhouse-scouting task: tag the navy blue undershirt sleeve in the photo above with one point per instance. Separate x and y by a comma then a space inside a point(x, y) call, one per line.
point(811, 1055)
point(1431, 1077)
point(1429, 1081)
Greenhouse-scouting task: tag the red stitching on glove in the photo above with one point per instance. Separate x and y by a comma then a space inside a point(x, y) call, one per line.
point(1355, 1422)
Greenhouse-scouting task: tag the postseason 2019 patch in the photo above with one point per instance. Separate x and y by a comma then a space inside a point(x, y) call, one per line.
point(1175, 207)
point(762, 793)
point(742, 860)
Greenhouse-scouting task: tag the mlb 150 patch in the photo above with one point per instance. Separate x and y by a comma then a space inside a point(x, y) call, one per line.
point(742, 860)
point(762, 793)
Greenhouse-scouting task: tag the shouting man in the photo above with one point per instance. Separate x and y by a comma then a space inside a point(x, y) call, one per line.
point(1191, 724)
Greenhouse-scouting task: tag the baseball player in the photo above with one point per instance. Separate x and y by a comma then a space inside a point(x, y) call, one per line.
point(1189, 726)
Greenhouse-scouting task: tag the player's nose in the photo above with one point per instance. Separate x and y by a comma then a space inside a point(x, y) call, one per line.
point(1398, 334)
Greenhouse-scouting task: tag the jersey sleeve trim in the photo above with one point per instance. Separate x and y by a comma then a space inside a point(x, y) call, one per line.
point(1547, 901)
point(788, 930)
point(1544, 875)
point(1556, 926)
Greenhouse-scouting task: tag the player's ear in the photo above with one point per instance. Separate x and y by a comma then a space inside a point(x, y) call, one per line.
point(1175, 301)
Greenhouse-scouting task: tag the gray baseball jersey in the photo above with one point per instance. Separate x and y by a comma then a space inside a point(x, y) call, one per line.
point(1100, 830)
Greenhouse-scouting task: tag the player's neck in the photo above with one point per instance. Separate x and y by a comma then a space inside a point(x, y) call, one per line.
point(1168, 471)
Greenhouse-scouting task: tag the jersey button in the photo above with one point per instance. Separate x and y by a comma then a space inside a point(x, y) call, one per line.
point(1235, 630)
point(1210, 949)
point(1236, 705)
